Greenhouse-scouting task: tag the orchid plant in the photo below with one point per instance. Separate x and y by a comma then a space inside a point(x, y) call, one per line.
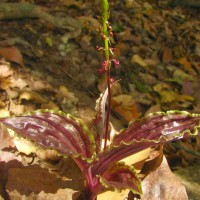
point(96, 151)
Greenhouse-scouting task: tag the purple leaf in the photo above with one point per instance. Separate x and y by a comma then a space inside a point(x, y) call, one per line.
point(120, 177)
point(54, 130)
point(153, 130)
point(160, 127)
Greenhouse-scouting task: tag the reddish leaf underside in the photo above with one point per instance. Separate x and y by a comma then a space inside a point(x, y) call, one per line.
point(54, 130)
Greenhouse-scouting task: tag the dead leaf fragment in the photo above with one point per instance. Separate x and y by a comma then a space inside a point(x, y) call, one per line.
point(32, 96)
point(68, 3)
point(5, 139)
point(4, 113)
point(150, 28)
point(5, 69)
point(154, 108)
point(139, 157)
point(161, 86)
point(5, 75)
point(131, 4)
point(197, 37)
point(48, 154)
point(162, 184)
point(18, 83)
point(125, 106)
point(153, 161)
point(137, 59)
point(168, 96)
point(12, 54)
point(64, 92)
point(12, 94)
point(36, 183)
point(50, 106)
point(167, 55)
point(184, 61)
point(16, 108)
point(89, 22)
point(109, 195)
point(180, 76)
point(5, 83)
point(24, 146)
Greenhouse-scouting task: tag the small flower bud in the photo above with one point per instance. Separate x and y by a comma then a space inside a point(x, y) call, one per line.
point(101, 70)
point(110, 28)
point(103, 36)
point(112, 80)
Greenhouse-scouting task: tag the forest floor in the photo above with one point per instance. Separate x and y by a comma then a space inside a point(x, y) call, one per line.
point(50, 65)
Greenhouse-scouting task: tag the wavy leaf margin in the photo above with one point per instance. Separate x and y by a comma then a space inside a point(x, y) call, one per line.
point(54, 130)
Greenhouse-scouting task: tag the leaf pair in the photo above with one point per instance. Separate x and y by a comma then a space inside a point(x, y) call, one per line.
point(69, 136)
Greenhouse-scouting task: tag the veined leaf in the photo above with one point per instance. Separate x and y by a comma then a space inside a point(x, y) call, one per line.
point(160, 127)
point(153, 130)
point(120, 177)
point(54, 130)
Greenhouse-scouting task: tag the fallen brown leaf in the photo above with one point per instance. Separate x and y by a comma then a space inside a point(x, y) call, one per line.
point(167, 55)
point(36, 183)
point(32, 96)
point(12, 54)
point(125, 106)
point(162, 184)
point(184, 61)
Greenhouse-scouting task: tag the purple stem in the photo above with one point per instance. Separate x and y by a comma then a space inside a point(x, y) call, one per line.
point(108, 107)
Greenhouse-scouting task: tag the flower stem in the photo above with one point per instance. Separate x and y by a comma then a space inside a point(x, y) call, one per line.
point(105, 16)
point(108, 108)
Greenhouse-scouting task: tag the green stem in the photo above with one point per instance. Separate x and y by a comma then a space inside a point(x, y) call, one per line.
point(105, 15)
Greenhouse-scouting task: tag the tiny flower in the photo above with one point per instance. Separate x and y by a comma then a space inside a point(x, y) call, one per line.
point(101, 70)
point(104, 67)
point(116, 62)
point(104, 64)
